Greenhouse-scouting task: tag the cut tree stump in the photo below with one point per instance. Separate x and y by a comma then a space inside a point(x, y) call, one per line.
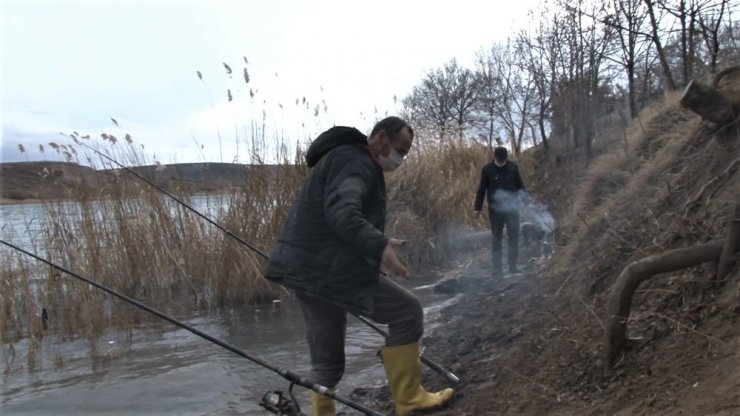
point(728, 81)
point(620, 301)
point(710, 103)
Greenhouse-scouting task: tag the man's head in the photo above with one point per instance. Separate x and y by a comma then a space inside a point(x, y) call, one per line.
point(500, 154)
point(390, 141)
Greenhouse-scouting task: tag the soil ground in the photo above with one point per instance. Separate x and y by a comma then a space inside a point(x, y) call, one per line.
point(520, 349)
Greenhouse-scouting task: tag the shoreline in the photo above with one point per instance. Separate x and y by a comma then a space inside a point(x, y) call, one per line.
point(30, 201)
point(8, 201)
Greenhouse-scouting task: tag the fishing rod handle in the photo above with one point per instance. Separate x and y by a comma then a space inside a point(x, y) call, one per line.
point(436, 367)
point(325, 391)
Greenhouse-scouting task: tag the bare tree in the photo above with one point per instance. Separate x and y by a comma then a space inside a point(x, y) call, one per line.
point(539, 56)
point(489, 91)
point(628, 22)
point(670, 83)
point(464, 96)
point(430, 103)
point(686, 13)
point(583, 51)
point(444, 100)
point(506, 98)
point(710, 23)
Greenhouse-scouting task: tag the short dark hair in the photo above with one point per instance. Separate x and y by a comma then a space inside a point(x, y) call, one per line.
point(392, 126)
point(500, 153)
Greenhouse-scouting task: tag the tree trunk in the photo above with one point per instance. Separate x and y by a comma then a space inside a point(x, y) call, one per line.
point(490, 131)
point(632, 90)
point(620, 300)
point(727, 259)
point(533, 132)
point(543, 133)
point(709, 103)
point(667, 74)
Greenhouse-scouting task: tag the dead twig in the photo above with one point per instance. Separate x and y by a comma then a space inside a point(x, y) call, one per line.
point(589, 309)
point(725, 174)
point(683, 325)
point(564, 283)
point(672, 292)
point(578, 214)
point(630, 244)
point(560, 321)
point(530, 381)
point(653, 217)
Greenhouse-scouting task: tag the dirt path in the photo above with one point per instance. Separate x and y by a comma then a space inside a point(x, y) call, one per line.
point(529, 345)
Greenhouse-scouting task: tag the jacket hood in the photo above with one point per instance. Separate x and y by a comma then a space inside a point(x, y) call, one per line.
point(335, 136)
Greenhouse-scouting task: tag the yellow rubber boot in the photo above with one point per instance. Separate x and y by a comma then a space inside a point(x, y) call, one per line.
point(322, 405)
point(403, 368)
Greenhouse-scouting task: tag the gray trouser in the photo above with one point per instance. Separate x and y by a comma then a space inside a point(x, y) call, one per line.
point(511, 221)
point(327, 323)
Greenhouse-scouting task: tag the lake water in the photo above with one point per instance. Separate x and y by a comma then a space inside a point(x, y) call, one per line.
point(160, 369)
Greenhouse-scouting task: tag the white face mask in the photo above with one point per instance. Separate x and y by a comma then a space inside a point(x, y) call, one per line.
point(499, 164)
point(390, 162)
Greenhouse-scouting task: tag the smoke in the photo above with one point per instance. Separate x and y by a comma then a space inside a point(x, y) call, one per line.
point(530, 210)
point(537, 213)
point(460, 240)
point(506, 201)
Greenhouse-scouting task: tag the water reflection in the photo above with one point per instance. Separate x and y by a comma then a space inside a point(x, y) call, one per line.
point(171, 371)
point(158, 369)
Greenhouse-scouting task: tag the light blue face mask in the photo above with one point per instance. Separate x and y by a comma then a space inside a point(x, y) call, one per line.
point(391, 162)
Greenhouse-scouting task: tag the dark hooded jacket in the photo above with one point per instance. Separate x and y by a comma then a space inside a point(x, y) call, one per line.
point(332, 241)
point(503, 185)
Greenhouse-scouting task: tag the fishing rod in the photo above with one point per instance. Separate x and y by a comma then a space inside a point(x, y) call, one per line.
point(271, 399)
point(449, 375)
point(431, 364)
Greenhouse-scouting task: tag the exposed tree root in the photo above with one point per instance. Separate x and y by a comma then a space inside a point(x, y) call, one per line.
point(728, 259)
point(637, 272)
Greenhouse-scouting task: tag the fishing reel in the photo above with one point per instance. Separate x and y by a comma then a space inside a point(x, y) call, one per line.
point(275, 402)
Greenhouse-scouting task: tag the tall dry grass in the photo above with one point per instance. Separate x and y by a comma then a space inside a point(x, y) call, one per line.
point(132, 238)
point(634, 202)
point(430, 198)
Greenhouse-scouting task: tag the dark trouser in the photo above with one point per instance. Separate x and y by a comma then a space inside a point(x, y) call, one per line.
point(327, 323)
point(498, 220)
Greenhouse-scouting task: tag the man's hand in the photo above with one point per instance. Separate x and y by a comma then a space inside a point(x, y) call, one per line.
point(390, 259)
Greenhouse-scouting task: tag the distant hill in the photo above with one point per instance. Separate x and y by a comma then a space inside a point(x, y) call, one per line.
point(24, 181)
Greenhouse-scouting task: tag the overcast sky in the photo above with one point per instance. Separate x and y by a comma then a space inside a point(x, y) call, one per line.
point(73, 65)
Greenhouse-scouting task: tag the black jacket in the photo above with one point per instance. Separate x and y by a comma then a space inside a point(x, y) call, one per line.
point(493, 180)
point(332, 241)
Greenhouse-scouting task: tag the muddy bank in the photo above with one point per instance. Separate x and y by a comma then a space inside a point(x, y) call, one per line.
point(531, 345)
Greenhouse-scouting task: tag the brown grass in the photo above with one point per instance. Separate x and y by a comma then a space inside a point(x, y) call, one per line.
point(135, 240)
point(139, 242)
point(431, 198)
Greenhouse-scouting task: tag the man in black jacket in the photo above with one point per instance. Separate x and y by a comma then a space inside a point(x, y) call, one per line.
point(500, 179)
point(331, 249)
